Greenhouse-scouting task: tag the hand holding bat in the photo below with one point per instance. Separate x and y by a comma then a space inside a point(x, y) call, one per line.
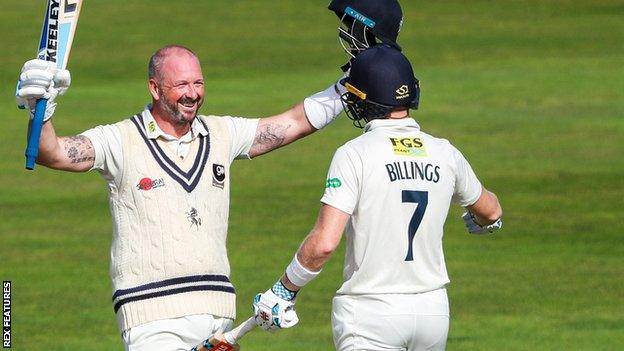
point(59, 26)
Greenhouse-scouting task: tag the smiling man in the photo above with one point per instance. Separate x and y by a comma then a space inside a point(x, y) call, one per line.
point(168, 175)
point(176, 84)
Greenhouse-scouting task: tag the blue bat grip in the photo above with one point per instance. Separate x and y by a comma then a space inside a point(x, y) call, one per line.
point(32, 149)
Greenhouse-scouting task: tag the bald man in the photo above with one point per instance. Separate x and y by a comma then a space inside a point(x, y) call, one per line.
point(168, 175)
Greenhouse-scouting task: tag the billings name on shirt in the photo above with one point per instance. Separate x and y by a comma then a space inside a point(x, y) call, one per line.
point(413, 170)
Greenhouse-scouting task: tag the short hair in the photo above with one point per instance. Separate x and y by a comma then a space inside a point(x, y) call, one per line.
point(157, 59)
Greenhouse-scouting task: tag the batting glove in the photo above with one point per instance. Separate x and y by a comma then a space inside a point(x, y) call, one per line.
point(275, 309)
point(40, 79)
point(476, 228)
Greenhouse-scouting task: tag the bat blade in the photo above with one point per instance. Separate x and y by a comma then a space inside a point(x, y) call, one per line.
point(57, 36)
point(57, 33)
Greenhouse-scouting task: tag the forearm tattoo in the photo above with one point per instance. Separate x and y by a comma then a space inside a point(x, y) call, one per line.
point(269, 137)
point(79, 149)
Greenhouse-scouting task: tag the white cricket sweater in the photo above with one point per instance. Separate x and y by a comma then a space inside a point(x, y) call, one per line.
point(170, 216)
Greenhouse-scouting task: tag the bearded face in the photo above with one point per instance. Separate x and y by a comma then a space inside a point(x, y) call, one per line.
point(178, 86)
point(182, 104)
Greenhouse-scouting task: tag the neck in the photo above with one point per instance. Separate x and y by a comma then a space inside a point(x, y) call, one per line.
point(168, 124)
point(398, 114)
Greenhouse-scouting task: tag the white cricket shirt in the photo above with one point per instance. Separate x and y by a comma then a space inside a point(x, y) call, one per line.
point(397, 183)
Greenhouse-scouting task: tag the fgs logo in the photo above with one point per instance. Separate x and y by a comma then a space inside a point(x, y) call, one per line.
point(408, 147)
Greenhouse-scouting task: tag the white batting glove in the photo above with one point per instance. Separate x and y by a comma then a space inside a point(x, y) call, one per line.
point(476, 228)
point(275, 309)
point(40, 79)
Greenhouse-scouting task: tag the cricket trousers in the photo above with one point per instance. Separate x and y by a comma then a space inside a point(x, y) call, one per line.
point(176, 334)
point(411, 322)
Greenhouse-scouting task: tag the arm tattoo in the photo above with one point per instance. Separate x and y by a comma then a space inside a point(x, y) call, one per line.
point(269, 137)
point(79, 149)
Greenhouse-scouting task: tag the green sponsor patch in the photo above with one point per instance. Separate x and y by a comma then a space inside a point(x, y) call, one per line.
point(333, 183)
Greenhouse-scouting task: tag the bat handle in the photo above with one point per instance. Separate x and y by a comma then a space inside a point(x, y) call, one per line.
point(235, 334)
point(32, 148)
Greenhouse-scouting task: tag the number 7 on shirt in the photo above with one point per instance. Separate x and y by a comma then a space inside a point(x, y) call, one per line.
point(420, 198)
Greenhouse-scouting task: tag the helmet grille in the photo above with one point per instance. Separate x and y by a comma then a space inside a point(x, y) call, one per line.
point(363, 111)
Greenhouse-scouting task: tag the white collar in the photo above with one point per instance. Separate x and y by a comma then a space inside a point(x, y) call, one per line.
point(407, 123)
point(154, 131)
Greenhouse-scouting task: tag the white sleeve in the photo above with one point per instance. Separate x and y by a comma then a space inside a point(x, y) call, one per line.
point(467, 186)
point(342, 184)
point(106, 142)
point(243, 132)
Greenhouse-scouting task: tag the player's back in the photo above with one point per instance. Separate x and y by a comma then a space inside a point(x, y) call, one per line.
point(404, 180)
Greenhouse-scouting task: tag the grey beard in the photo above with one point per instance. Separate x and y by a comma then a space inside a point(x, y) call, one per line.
point(174, 112)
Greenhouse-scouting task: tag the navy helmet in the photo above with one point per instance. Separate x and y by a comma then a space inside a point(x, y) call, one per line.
point(365, 23)
point(381, 80)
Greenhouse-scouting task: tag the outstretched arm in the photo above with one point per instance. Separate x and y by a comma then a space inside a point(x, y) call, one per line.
point(277, 131)
point(303, 119)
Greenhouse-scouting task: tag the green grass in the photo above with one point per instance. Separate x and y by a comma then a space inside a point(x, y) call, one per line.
point(531, 91)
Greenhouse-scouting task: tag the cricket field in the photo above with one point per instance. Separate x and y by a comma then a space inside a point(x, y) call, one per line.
point(532, 92)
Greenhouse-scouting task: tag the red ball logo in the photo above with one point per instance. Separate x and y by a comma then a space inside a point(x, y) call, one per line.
point(145, 184)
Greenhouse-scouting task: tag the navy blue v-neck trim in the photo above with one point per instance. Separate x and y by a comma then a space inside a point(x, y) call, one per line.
point(188, 180)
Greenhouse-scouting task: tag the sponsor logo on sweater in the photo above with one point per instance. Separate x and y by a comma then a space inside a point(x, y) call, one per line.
point(408, 147)
point(218, 175)
point(149, 184)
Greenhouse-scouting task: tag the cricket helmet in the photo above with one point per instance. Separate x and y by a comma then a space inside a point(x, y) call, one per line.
point(365, 23)
point(381, 80)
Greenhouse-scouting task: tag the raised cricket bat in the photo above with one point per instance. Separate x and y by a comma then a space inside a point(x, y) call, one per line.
point(227, 341)
point(57, 35)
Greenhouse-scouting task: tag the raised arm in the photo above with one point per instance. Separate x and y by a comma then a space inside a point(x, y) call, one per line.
point(70, 153)
point(40, 79)
point(303, 119)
